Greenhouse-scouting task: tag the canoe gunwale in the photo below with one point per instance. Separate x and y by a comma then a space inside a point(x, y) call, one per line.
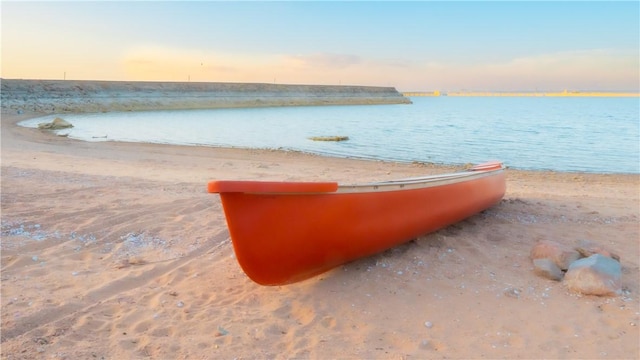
point(416, 183)
point(296, 188)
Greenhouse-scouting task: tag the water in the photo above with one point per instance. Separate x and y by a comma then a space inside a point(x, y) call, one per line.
point(589, 134)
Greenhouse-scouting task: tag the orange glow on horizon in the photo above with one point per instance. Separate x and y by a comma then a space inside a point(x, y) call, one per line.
point(554, 72)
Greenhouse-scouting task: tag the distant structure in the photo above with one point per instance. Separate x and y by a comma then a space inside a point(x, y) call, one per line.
point(421, 93)
point(564, 93)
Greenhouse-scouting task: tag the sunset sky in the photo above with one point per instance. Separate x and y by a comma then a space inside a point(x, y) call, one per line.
point(493, 46)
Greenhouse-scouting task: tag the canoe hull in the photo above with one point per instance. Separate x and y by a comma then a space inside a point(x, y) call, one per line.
point(282, 238)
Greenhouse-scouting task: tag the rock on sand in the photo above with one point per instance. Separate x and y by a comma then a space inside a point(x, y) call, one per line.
point(594, 275)
point(56, 124)
point(560, 254)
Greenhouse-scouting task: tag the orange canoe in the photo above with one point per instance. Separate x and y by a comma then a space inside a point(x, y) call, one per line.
point(284, 232)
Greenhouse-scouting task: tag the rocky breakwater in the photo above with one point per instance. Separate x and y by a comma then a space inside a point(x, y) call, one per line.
point(72, 96)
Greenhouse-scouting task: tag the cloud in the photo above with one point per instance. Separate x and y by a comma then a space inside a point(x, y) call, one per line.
point(601, 69)
point(322, 60)
point(175, 64)
point(590, 69)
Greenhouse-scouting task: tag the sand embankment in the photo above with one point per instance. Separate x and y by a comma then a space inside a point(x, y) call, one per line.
point(60, 96)
point(116, 251)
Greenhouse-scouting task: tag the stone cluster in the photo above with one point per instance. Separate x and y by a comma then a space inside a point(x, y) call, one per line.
point(586, 268)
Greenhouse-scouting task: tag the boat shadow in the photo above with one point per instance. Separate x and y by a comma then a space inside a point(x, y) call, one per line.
point(470, 242)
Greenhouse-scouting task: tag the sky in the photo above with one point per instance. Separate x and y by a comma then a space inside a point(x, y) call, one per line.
point(412, 46)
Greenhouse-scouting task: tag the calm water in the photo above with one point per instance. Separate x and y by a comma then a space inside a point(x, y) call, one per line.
point(565, 134)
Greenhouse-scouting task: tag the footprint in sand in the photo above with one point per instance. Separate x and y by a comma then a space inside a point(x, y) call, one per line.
point(328, 322)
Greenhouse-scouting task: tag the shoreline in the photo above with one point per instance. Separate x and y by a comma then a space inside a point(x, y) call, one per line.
point(16, 118)
point(12, 131)
point(115, 250)
point(47, 97)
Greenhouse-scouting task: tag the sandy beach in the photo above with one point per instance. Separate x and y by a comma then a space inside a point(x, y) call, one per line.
point(116, 251)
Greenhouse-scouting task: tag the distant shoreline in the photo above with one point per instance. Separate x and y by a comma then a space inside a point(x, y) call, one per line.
point(524, 93)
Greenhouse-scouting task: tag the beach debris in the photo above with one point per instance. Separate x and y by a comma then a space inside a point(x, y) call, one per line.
point(41, 341)
point(587, 248)
point(56, 124)
point(131, 261)
point(221, 331)
point(562, 255)
point(428, 324)
point(512, 292)
point(329, 138)
point(547, 269)
point(180, 304)
point(594, 275)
